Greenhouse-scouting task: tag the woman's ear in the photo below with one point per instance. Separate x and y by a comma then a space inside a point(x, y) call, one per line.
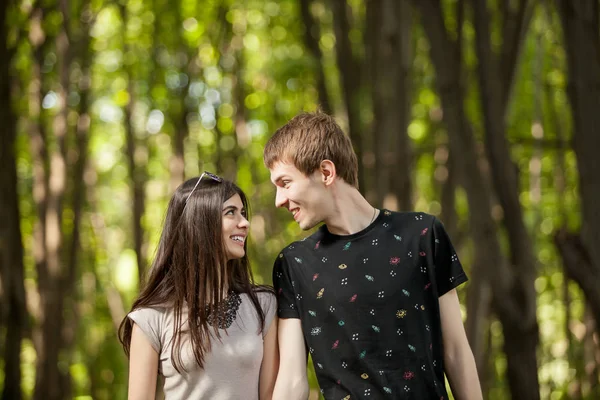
point(328, 172)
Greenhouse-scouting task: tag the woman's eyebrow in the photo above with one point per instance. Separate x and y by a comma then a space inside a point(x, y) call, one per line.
point(232, 207)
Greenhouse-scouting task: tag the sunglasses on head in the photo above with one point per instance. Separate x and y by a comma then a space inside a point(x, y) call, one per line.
point(207, 174)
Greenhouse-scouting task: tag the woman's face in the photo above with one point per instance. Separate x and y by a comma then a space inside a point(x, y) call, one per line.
point(235, 227)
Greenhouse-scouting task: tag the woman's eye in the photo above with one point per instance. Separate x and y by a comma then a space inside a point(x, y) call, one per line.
point(229, 212)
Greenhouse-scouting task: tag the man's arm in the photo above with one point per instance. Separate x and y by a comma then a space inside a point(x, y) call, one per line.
point(459, 363)
point(270, 363)
point(292, 383)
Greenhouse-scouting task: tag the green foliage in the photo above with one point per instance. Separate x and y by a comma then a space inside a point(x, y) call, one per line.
point(229, 73)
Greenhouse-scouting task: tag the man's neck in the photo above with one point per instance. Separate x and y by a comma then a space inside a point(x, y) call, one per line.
point(352, 212)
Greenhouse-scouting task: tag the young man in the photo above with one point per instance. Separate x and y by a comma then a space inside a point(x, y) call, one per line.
point(370, 293)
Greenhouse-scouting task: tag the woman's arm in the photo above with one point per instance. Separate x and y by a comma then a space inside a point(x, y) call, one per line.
point(143, 367)
point(270, 362)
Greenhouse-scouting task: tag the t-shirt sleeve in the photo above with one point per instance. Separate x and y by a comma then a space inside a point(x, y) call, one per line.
point(269, 306)
point(284, 289)
point(449, 272)
point(150, 321)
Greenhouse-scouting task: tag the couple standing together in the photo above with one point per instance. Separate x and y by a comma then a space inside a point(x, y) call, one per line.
point(370, 295)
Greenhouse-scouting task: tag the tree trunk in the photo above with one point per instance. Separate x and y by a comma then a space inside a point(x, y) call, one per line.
point(177, 162)
point(40, 162)
point(579, 19)
point(312, 35)
point(578, 266)
point(402, 182)
point(389, 44)
point(446, 174)
point(182, 55)
point(351, 81)
point(137, 173)
point(242, 131)
point(514, 310)
point(100, 235)
point(78, 167)
point(81, 141)
point(11, 244)
point(556, 123)
point(518, 347)
point(49, 376)
point(537, 129)
point(590, 357)
point(495, 81)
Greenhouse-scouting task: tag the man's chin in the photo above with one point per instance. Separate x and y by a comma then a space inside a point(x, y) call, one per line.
point(306, 225)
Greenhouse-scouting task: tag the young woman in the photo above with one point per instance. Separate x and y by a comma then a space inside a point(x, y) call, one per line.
point(200, 322)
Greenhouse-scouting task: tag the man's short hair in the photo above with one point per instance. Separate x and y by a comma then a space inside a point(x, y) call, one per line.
point(309, 138)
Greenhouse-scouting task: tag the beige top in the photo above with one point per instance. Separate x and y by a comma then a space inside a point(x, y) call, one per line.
point(231, 368)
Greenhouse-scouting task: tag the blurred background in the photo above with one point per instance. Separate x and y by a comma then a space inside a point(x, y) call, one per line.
point(484, 113)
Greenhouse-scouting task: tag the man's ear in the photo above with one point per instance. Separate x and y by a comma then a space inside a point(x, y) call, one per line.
point(328, 172)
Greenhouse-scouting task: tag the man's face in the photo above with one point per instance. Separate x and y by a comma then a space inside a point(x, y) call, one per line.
point(304, 196)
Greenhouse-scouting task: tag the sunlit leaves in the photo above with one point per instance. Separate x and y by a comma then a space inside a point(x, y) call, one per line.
point(225, 69)
point(125, 272)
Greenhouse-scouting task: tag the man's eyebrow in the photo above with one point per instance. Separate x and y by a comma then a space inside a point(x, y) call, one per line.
point(275, 178)
point(279, 178)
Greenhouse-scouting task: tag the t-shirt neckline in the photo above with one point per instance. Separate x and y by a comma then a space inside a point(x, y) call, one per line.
point(367, 229)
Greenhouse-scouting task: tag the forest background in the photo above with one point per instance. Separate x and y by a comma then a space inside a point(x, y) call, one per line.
point(485, 113)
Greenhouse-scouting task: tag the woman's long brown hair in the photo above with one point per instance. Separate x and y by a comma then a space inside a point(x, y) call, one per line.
point(191, 269)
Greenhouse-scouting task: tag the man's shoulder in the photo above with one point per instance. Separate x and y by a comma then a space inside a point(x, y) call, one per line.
point(409, 217)
point(302, 245)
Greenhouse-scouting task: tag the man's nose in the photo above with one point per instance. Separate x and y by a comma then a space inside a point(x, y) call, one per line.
point(280, 199)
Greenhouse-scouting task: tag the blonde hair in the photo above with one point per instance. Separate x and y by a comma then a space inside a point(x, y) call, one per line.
point(309, 138)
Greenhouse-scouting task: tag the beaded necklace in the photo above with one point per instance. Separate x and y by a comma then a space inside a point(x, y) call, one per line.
point(226, 312)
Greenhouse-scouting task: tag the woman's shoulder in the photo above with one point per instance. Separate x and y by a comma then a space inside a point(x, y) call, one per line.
point(268, 303)
point(264, 292)
point(265, 296)
point(152, 313)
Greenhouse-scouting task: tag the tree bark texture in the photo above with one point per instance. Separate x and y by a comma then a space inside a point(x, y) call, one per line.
point(13, 305)
point(390, 47)
point(49, 377)
point(350, 79)
point(38, 138)
point(510, 288)
point(78, 193)
point(177, 162)
point(578, 266)
point(135, 162)
point(495, 73)
point(579, 19)
point(312, 35)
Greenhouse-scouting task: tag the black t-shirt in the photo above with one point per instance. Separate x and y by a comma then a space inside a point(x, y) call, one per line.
point(369, 307)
